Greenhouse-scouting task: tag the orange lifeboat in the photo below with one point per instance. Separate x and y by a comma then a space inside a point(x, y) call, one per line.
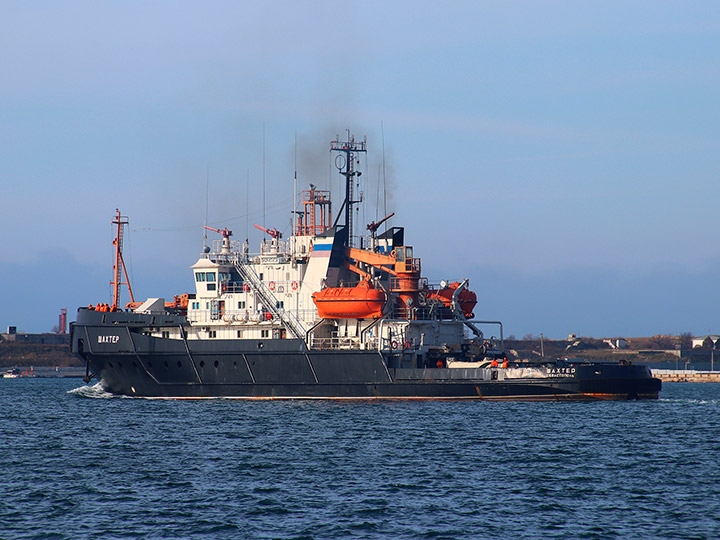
point(466, 298)
point(361, 302)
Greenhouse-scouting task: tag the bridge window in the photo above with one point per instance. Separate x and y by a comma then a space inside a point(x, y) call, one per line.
point(200, 276)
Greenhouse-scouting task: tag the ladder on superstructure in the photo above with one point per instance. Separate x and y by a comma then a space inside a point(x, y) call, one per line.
point(289, 321)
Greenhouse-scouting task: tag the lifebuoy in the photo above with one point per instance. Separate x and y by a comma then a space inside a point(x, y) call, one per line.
point(294, 285)
point(406, 345)
point(271, 285)
point(246, 287)
point(394, 344)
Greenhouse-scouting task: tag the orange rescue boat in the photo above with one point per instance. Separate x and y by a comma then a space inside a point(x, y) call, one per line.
point(466, 298)
point(361, 302)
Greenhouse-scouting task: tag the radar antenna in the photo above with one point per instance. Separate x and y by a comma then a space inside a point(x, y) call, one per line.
point(345, 163)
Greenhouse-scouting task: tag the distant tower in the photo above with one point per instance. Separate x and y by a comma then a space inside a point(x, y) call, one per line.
point(62, 322)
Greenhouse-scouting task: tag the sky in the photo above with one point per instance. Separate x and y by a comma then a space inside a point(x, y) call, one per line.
point(563, 156)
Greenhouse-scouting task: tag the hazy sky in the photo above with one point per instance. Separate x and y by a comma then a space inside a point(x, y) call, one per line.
point(564, 156)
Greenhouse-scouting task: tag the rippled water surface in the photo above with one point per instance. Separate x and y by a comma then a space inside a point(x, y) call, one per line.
point(77, 464)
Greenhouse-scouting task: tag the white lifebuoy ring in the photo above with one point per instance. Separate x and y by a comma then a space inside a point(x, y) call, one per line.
point(394, 344)
point(271, 285)
point(294, 285)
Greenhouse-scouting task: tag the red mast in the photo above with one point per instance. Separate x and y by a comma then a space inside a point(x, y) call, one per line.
point(120, 221)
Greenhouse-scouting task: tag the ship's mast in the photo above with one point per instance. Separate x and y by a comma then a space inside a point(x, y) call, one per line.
point(346, 165)
point(120, 221)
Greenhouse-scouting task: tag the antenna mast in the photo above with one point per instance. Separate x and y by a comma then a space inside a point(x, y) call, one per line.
point(346, 165)
point(120, 221)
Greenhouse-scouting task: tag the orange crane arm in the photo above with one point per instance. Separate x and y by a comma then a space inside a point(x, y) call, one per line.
point(357, 270)
point(369, 257)
point(377, 260)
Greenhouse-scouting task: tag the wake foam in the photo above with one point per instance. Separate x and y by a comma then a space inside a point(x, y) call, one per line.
point(95, 391)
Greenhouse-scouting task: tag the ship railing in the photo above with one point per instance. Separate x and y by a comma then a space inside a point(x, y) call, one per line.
point(232, 287)
point(418, 313)
point(217, 247)
point(242, 316)
point(492, 342)
point(342, 342)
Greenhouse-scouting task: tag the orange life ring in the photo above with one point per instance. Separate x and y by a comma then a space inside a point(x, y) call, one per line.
point(246, 287)
point(294, 285)
point(406, 345)
point(271, 285)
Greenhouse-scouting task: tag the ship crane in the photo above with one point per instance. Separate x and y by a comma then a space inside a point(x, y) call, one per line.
point(226, 234)
point(272, 232)
point(373, 227)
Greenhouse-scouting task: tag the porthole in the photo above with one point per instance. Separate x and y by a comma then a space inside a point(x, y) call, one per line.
point(216, 363)
point(179, 363)
point(260, 344)
point(166, 364)
point(150, 365)
point(202, 363)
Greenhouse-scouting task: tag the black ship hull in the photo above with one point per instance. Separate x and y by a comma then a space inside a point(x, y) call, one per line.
point(127, 362)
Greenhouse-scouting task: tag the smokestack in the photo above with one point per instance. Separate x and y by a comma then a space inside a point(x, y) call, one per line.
point(62, 324)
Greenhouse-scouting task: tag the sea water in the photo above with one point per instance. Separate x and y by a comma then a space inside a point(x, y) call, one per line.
point(77, 463)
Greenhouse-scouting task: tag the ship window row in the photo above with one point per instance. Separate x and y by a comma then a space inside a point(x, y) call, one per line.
point(205, 276)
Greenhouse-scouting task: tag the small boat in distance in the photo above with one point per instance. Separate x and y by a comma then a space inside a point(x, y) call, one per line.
point(15, 373)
